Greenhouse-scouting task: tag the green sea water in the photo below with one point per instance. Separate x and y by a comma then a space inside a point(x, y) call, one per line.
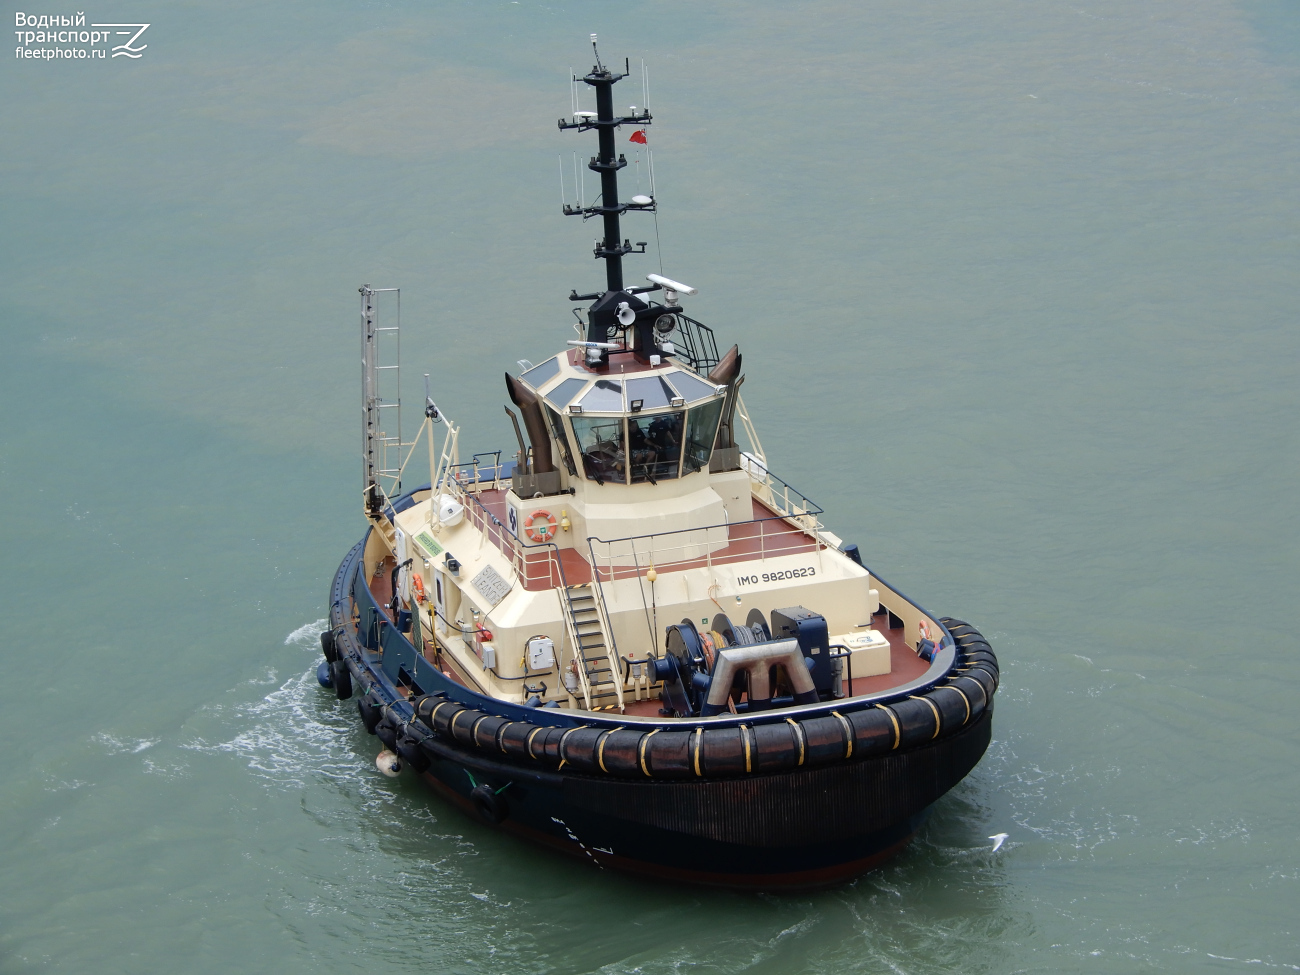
point(1016, 286)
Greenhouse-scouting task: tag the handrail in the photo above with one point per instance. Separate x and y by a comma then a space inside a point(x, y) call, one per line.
point(515, 551)
point(611, 650)
point(346, 583)
point(808, 539)
point(696, 345)
point(808, 507)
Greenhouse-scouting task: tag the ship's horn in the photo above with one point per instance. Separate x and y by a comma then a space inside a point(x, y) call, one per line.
point(534, 422)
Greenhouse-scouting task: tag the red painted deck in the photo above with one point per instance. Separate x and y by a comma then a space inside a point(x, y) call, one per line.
point(766, 535)
point(906, 666)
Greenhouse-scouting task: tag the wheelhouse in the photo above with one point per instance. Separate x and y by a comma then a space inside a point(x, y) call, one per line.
point(643, 425)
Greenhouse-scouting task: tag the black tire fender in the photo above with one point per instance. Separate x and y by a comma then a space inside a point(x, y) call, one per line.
point(387, 734)
point(327, 646)
point(342, 678)
point(412, 755)
point(370, 713)
point(490, 805)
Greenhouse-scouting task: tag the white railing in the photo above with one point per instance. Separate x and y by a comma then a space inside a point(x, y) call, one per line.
point(536, 566)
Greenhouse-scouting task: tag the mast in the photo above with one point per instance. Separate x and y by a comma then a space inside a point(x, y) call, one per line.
point(605, 122)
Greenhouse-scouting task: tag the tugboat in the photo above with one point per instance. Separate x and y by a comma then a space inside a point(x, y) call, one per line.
point(634, 642)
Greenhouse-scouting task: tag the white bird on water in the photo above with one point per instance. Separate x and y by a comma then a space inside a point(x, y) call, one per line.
point(998, 839)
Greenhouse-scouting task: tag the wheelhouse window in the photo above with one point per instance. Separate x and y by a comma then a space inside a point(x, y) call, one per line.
point(652, 393)
point(561, 438)
point(701, 430)
point(692, 389)
point(604, 397)
point(654, 444)
point(601, 443)
point(562, 394)
point(538, 375)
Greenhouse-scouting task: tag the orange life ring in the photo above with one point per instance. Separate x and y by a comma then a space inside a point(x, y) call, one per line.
point(925, 630)
point(546, 532)
point(418, 584)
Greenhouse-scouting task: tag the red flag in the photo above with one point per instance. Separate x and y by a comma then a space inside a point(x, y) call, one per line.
point(638, 136)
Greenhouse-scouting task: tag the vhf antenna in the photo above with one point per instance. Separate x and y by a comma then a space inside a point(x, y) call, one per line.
point(611, 247)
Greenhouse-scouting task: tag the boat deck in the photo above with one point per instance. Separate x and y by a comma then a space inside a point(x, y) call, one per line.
point(768, 534)
point(904, 663)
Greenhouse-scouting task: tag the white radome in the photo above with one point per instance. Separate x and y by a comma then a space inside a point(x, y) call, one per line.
point(450, 511)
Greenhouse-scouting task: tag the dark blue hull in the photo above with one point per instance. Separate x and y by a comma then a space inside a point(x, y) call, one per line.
point(611, 823)
point(589, 786)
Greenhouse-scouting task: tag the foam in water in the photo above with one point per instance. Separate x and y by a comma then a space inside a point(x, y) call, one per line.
point(307, 635)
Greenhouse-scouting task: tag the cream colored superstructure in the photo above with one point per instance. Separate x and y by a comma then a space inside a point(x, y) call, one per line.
point(688, 547)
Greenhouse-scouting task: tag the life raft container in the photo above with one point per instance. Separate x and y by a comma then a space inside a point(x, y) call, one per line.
point(961, 698)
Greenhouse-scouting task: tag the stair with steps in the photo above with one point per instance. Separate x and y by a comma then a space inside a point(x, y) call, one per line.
point(387, 532)
point(602, 683)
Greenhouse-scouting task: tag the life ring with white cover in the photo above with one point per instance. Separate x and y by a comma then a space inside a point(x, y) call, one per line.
point(546, 532)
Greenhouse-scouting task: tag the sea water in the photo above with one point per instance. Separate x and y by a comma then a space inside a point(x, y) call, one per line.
point(1016, 286)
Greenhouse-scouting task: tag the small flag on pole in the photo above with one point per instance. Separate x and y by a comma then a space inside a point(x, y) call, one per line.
point(638, 136)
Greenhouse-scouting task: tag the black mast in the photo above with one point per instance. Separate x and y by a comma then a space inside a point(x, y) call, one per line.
point(611, 248)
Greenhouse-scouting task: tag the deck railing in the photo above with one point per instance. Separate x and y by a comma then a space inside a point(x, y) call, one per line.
point(785, 500)
point(535, 565)
point(746, 541)
point(743, 541)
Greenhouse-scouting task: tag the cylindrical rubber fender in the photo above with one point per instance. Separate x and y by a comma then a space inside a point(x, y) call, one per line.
point(726, 751)
point(577, 747)
point(430, 704)
point(618, 752)
point(982, 670)
point(956, 627)
point(875, 731)
point(516, 739)
point(778, 746)
point(954, 706)
point(486, 731)
point(370, 713)
point(978, 655)
point(546, 745)
point(323, 677)
point(827, 739)
point(327, 646)
point(490, 805)
point(342, 678)
point(667, 754)
point(443, 714)
point(978, 687)
point(985, 660)
point(919, 721)
point(461, 725)
point(412, 755)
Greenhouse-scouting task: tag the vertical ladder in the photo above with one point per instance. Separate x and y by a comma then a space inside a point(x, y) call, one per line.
point(598, 669)
point(381, 401)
